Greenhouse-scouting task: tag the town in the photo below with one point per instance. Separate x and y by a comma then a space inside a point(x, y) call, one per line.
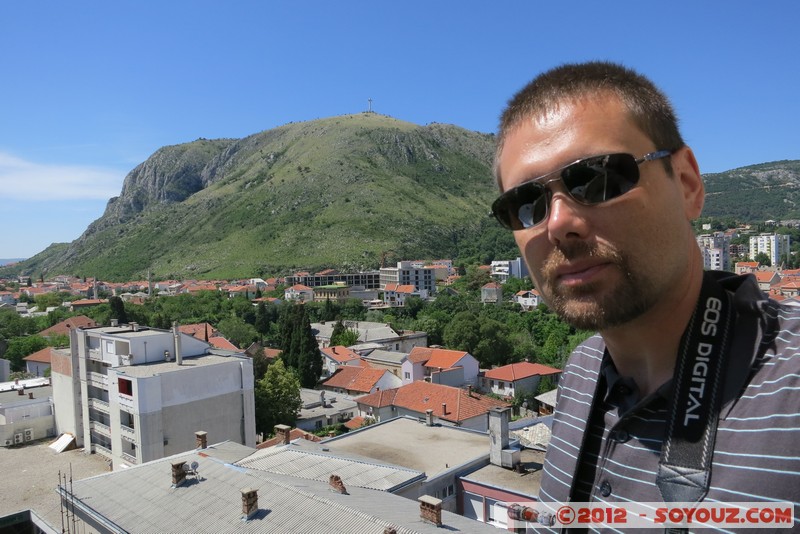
point(411, 397)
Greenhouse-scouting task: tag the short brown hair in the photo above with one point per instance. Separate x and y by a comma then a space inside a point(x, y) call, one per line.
point(650, 109)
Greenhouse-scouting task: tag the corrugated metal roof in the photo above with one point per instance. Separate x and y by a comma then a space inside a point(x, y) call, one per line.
point(142, 499)
point(318, 466)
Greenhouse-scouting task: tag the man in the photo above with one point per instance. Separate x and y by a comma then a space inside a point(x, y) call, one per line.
point(691, 390)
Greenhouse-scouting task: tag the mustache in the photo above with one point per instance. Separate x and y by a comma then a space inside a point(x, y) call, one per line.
point(577, 250)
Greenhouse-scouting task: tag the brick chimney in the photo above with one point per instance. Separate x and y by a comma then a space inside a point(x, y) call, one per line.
point(284, 433)
point(30, 395)
point(430, 510)
point(178, 474)
point(21, 391)
point(249, 502)
point(201, 439)
point(444, 408)
point(337, 485)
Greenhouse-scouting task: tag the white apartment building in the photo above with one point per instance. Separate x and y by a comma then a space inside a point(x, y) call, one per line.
point(502, 270)
point(136, 394)
point(775, 246)
point(406, 273)
point(715, 249)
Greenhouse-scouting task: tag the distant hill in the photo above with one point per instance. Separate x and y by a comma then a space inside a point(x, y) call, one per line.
point(756, 193)
point(343, 192)
point(340, 192)
point(6, 261)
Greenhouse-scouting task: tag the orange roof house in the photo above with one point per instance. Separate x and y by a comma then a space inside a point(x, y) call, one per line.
point(515, 378)
point(63, 328)
point(360, 380)
point(448, 405)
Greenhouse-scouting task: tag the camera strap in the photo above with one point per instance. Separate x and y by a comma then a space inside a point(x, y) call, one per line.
point(684, 470)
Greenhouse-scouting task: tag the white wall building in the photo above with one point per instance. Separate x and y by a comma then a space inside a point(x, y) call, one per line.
point(715, 249)
point(406, 273)
point(502, 270)
point(136, 394)
point(776, 247)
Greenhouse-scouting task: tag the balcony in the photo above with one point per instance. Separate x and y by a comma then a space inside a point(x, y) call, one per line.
point(100, 428)
point(99, 405)
point(96, 447)
point(97, 379)
point(130, 459)
point(128, 433)
point(96, 355)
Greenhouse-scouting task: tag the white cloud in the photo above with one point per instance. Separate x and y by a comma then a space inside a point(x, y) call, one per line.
point(29, 181)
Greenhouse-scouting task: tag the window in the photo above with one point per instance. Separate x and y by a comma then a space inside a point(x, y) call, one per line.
point(451, 489)
point(407, 375)
point(126, 387)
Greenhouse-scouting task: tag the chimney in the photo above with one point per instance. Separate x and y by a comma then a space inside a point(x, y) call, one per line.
point(284, 433)
point(135, 326)
point(322, 398)
point(444, 408)
point(469, 390)
point(430, 509)
point(389, 530)
point(30, 395)
point(499, 452)
point(249, 503)
point(176, 334)
point(178, 474)
point(337, 485)
point(114, 322)
point(429, 417)
point(201, 439)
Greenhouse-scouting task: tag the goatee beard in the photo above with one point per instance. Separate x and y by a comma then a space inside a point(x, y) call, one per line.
point(590, 306)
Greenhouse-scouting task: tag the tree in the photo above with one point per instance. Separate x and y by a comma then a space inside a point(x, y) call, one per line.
point(19, 347)
point(763, 259)
point(238, 331)
point(342, 335)
point(277, 398)
point(260, 364)
point(118, 310)
point(299, 346)
point(462, 332)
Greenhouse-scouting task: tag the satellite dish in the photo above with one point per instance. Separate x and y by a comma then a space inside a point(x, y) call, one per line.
point(195, 465)
point(187, 469)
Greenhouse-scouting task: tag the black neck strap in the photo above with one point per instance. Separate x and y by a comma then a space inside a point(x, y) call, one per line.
point(684, 470)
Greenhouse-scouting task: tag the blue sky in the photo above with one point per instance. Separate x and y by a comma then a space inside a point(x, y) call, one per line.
point(91, 89)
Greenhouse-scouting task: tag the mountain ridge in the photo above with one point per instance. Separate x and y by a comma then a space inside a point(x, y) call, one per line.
point(341, 192)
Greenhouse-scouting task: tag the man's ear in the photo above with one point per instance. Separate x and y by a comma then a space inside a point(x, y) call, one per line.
point(687, 173)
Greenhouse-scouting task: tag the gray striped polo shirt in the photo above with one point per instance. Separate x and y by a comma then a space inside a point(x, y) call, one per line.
point(757, 450)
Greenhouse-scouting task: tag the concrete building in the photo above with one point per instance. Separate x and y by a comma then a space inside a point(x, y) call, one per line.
point(514, 378)
point(715, 249)
point(26, 412)
point(502, 270)
point(380, 335)
point(135, 394)
point(321, 408)
point(406, 273)
point(229, 488)
point(775, 246)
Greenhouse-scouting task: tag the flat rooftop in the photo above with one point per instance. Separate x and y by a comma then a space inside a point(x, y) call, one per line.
point(11, 397)
point(526, 482)
point(408, 443)
point(144, 370)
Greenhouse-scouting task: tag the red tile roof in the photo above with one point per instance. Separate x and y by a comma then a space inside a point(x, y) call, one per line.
point(272, 353)
point(421, 396)
point(437, 358)
point(79, 321)
point(40, 356)
point(518, 371)
point(202, 331)
point(355, 423)
point(340, 354)
point(222, 343)
point(351, 378)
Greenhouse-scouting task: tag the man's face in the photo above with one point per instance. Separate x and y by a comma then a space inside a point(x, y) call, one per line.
point(598, 266)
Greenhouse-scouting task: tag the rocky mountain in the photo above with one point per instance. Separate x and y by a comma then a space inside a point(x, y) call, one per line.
point(344, 192)
point(339, 192)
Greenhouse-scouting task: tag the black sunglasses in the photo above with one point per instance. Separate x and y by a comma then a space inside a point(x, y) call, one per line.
point(588, 181)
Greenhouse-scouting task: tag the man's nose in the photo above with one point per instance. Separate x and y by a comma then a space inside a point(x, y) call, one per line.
point(566, 220)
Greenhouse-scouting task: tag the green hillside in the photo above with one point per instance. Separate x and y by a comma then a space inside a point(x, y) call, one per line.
point(337, 192)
